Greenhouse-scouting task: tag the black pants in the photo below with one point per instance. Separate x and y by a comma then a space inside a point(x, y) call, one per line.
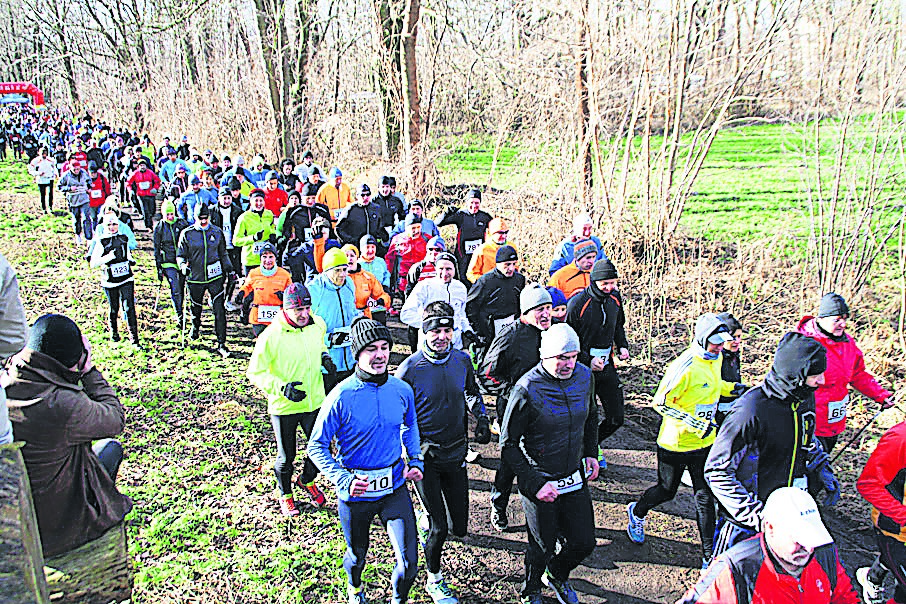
point(893, 557)
point(398, 518)
point(215, 289)
point(610, 392)
point(235, 255)
point(285, 432)
point(177, 283)
point(122, 296)
point(445, 492)
point(569, 519)
point(504, 476)
point(46, 193)
point(110, 452)
point(412, 333)
point(828, 442)
point(149, 205)
point(670, 466)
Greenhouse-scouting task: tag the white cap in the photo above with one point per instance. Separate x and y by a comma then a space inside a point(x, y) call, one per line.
point(793, 512)
point(559, 339)
point(580, 220)
point(720, 337)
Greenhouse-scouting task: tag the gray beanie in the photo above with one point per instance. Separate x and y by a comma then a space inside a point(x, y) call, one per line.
point(832, 305)
point(533, 296)
point(559, 339)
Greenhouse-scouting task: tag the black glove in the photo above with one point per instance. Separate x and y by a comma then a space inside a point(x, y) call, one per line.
point(259, 235)
point(739, 389)
point(337, 338)
point(483, 430)
point(160, 274)
point(327, 363)
point(272, 239)
point(279, 295)
point(293, 392)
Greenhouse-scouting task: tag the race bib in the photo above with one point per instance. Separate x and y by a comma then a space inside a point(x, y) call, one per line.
point(570, 483)
point(120, 269)
point(256, 247)
point(501, 323)
point(214, 270)
point(836, 410)
point(471, 246)
point(705, 412)
point(266, 314)
point(602, 353)
point(96, 193)
point(380, 482)
point(372, 303)
point(336, 213)
point(801, 483)
point(144, 185)
point(342, 341)
point(308, 234)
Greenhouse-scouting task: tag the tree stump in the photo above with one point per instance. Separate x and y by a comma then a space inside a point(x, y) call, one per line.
point(21, 559)
point(98, 572)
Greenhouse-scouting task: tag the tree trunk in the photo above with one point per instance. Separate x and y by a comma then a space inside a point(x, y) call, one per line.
point(388, 33)
point(584, 113)
point(268, 19)
point(412, 123)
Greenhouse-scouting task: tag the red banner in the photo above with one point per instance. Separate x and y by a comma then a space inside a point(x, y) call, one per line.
point(36, 94)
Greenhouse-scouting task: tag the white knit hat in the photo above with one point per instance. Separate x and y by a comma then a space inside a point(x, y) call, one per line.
point(559, 339)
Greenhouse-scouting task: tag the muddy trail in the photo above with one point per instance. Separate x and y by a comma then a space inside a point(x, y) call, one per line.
point(487, 566)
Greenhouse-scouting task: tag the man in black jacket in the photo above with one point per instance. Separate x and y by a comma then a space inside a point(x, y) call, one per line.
point(512, 353)
point(729, 370)
point(767, 440)
point(493, 301)
point(361, 218)
point(596, 313)
point(550, 439)
point(224, 216)
point(471, 224)
point(297, 225)
point(167, 233)
point(392, 209)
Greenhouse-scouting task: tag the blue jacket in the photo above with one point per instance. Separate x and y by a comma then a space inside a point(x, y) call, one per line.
point(336, 305)
point(378, 268)
point(168, 170)
point(185, 205)
point(428, 228)
point(372, 425)
point(226, 176)
point(563, 255)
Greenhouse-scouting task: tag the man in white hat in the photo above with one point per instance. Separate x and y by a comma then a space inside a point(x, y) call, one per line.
point(793, 559)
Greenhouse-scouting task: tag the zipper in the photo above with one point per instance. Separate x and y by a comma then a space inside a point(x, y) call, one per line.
point(789, 482)
point(342, 318)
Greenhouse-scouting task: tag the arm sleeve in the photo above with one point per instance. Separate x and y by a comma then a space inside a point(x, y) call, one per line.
point(409, 433)
point(474, 402)
point(224, 256)
point(100, 415)
point(619, 333)
point(475, 265)
point(493, 366)
point(13, 326)
point(515, 421)
point(240, 237)
point(322, 434)
point(98, 259)
point(843, 592)
point(411, 312)
point(887, 460)
point(574, 320)
point(259, 372)
point(449, 216)
point(665, 402)
point(318, 253)
point(865, 382)
point(717, 586)
point(474, 303)
point(157, 238)
point(590, 436)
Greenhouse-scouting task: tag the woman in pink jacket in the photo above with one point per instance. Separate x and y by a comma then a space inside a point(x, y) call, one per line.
point(845, 367)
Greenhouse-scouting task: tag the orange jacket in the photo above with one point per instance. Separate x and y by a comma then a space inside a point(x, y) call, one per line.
point(368, 291)
point(485, 259)
point(335, 199)
point(265, 293)
point(570, 280)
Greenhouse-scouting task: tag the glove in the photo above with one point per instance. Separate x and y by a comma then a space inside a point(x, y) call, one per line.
point(279, 295)
point(272, 239)
point(827, 480)
point(817, 457)
point(293, 392)
point(259, 235)
point(184, 269)
point(711, 428)
point(327, 363)
point(483, 430)
point(337, 338)
point(739, 389)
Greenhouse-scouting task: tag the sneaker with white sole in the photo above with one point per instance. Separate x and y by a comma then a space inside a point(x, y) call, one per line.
point(564, 591)
point(636, 527)
point(356, 596)
point(440, 592)
point(231, 306)
point(872, 593)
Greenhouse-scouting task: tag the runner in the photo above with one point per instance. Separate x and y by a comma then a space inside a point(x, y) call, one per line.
point(687, 399)
point(286, 366)
point(253, 229)
point(471, 224)
point(373, 263)
point(596, 313)
point(565, 253)
point(405, 249)
point(186, 203)
point(493, 301)
point(303, 259)
point(794, 559)
point(558, 305)
point(166, 239)
point(549, 437)
point(361, 218)
point(44, 171)
point(297, 221)
point(143, 183)
point(263, 290)
point(74, 184)
point(574, 277)
point(98, 191)
point(483, 259)
point(224, 216)
point(392, 209)
point(275, 198)
point(881, 484)
point(417, 208)
point(730, 370)
point(845, 368)
point(424, 269)
point(514, 350)
point(444, 384)
point(766, 441)
point(202, 257)
point(372, 417)
point(335, 194)
point(442, 287)
point(333, 299)
point(112, 255)
point(370, 297)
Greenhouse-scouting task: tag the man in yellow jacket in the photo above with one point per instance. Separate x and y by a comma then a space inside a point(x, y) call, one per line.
point(254, 228)
point(687, 398)
point(484, 259)
point(286, 366)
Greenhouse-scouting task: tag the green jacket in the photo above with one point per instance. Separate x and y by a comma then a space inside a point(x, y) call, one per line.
point(284, 354)
point(247, 228)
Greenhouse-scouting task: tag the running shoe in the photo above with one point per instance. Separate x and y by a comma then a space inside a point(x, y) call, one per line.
point(531, 599)
point(498, 519)
point(565, 592)
point(440, 592)
point(356, 596)
point(314, 493)
point(472, 456)
point(686, 478)
point(872, 593)
point(288, 506)
point(495, 428)
point(231, 306)
point(602, 463)
point(636, 526)
point(222, 349)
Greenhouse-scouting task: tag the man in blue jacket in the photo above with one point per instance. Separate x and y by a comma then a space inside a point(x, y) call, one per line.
point(371, 414)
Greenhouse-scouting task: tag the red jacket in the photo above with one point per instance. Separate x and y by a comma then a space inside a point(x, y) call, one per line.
point(275, 201)
point(845, 366)
point(144, 184)
point(99, 191)
point(883, 483)
point(407, 251)
point(746, 573)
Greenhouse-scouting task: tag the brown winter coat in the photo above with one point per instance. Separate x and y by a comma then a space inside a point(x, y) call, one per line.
point(58, 415)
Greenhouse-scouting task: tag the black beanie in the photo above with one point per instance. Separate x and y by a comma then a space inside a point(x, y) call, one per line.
point(473, 194)
point(57, 337)
point(365, 331)
point(506, 253)
point(603, 270)
point(833, 305)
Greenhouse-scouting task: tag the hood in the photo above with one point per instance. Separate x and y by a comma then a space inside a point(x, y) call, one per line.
point(808, 326)
point(706, 326)
point(32, 375)
point(797, 356)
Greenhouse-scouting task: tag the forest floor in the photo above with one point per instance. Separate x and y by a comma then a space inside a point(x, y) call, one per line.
point(206, 527)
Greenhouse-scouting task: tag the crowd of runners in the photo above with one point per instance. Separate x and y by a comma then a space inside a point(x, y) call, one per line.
point(316, 268)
